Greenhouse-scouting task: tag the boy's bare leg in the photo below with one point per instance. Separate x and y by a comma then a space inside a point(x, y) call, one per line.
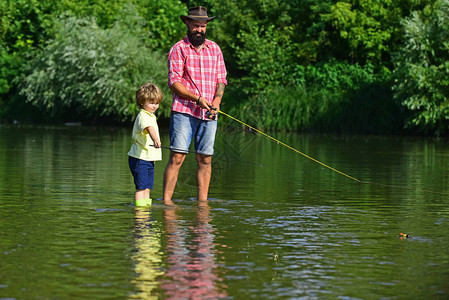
point(203, 175)
point(171, 175)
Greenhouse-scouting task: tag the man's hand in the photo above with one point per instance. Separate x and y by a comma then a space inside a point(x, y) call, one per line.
point(216, 106)
point(202, 102)
point(212, 113)
point(217, 99)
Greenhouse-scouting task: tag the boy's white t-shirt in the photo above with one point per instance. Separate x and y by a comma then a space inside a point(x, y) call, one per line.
point(143, 146)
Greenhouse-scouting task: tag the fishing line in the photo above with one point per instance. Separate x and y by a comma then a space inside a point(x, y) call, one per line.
point(319, 162)
point(289, 147)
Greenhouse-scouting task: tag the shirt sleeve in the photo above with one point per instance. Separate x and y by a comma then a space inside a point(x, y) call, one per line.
point(145, 121)
point(221, 76)
point(175, 65)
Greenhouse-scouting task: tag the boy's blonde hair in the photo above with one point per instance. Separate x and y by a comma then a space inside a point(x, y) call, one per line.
point(148, 92)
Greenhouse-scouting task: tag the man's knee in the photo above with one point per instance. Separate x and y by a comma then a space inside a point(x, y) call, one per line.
point(177, 158)
point(204, 159)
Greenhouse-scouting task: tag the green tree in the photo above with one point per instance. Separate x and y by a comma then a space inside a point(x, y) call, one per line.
point(237, 20)
point(91, 72)
point(422, 73)
point(362, 31)
point(26, 25)
point(264, 56)
point(275, 51)
point(163, 22)
point(21, 31)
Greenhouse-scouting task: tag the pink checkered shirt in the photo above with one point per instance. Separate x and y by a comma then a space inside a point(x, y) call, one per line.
point(199, 72)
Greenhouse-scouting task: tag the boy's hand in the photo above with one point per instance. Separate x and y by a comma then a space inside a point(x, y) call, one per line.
point(154, 137)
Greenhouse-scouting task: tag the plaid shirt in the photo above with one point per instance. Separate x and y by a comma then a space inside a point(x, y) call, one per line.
point(198, 71)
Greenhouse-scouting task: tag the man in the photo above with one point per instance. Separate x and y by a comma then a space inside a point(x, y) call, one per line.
point(197, 77)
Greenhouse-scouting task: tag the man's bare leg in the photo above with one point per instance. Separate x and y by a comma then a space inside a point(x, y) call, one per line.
point(204, 172)
point(171, 175)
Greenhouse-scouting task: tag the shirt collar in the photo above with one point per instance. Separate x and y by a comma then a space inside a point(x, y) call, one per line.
point(147, 112)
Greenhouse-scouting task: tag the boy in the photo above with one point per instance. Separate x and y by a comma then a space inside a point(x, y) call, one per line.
point(146, 148)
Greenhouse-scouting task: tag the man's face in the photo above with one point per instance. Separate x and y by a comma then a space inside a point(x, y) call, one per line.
point(196, 31)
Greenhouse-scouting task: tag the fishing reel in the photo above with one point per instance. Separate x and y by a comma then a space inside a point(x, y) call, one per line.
point(210, 115)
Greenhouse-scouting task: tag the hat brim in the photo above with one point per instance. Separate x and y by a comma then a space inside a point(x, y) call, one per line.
point(198, 18)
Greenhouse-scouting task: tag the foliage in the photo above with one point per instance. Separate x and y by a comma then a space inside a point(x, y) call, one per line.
point(264, 57)
point(21, 23)
point(21, 29)
point(361, 31)
point(357, 31)
point(105, 12)
point(92, 72)
point(163, 22)
point(25, 25)
point(325, 58)
point(422, 74)
point(8, 70)
point(327, 97)
point(240, 23)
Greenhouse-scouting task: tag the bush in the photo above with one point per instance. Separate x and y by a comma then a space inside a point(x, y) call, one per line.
point(422, 74)
point(331, 97)
point(92, 72)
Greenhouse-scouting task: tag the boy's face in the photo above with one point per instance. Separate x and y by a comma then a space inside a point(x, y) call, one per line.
point(150, 106)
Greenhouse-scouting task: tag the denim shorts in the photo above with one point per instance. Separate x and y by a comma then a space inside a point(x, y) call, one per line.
point(184, 128)
point(143, 173)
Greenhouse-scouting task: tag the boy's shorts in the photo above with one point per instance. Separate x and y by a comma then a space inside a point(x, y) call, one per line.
point(143, 173)
point(183, 128)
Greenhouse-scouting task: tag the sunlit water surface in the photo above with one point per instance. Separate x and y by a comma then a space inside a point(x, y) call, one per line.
point(278, 225)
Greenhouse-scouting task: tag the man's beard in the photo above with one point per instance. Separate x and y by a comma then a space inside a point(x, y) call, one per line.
point(195, 39)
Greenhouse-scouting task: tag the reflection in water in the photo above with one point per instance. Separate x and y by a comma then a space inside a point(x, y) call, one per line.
point(192, 268)
point(147, 257)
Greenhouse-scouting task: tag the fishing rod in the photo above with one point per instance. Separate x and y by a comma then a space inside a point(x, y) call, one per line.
point(212, 117)
point(285, 145)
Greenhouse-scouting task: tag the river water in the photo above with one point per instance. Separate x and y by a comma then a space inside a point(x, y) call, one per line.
point(278, 225)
